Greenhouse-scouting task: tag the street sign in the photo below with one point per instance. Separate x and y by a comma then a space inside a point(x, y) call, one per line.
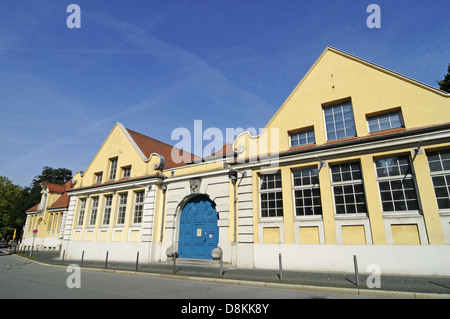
point(35, 231)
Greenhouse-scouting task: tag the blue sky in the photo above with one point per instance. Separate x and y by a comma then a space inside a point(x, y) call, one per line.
point(158, 65)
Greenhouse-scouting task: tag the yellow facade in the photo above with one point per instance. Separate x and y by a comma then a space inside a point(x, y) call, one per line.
point(371, 90)
point(277, 193)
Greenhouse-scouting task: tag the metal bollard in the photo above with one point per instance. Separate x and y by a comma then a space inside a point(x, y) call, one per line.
point(62, 259)
point(355, 262)
point(137, 261)
point(174, 262)
point(280, 273)
point(82, 258)
point(106, 261)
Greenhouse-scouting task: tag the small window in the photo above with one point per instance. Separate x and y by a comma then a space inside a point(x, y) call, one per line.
point(112, 168)
point(302, 138)
point(126, 171)
point(384, 121)
point(339, 121)
point(98, 177)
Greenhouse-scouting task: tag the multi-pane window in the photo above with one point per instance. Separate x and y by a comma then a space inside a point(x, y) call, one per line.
point(439, 162)
point(348, 188)
point(112, 168)
point(107, 210)
point(81, 212)
point(384, 121)
point(302, 138)
point(98, 177)
point(271, 195)
point(126, 171)
point(307, 192)
point(138, 207)
point(122, 208)
point(94, 209)
point(397, 187)
point(339, 121)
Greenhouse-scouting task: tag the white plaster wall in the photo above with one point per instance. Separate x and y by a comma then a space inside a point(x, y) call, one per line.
point(392, 259)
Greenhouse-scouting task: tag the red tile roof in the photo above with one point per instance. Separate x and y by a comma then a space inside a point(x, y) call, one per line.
point(149, 145)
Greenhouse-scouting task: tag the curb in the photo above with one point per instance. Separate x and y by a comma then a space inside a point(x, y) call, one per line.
point(262, 284)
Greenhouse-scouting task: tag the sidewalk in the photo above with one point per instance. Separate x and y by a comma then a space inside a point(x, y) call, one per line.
point(391, 285)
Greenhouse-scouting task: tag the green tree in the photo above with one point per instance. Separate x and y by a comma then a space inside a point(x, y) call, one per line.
point(9, 198)
point(444, 85)
point(15, 200)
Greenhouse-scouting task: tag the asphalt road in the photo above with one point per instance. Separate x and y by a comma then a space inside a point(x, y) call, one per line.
point(20, 278)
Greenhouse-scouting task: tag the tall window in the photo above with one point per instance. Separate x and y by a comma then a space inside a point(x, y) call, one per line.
point(112, 168)
point(307, 192)
point(339, 121)
point(138, 207)
point(271, 195)
point(348, 188)
point(107, 210)
point(439, 162)
point(81, 212)
point(94, 209)
point(122, 208)
point(397, 187)
point(384, 121)
point(302, 138)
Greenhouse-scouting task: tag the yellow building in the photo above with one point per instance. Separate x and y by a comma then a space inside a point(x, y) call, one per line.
point(44, 224)
point(355, 162)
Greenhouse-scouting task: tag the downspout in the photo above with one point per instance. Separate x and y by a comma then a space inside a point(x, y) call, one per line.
point(164, 189)
point(233, 177)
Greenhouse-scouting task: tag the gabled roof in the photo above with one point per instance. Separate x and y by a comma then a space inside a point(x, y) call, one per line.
point(63, 200)
point(329, 49)
point(148, 146)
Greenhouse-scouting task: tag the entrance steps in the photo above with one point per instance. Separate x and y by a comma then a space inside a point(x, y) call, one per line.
point(198, 262)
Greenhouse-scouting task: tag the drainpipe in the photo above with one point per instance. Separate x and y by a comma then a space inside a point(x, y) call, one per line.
point(233, 176)
point(164, 189)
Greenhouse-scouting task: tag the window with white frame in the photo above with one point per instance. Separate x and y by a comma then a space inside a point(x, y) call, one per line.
point(94, 209)
point(126, 171)
point(138, 207)
point(107, 209)
point(396, 183)
point(122, 208)
point(81, 211)
point(303, 137)
point(307, 192)
point(384, 121)
point(348, 188)
point(439, 162)
point(98, 177)
point(271, 195)
point(112, 168)
point(339, 121)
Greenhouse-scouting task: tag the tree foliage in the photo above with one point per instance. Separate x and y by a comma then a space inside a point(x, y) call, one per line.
point(444, 84)
point(15, 200)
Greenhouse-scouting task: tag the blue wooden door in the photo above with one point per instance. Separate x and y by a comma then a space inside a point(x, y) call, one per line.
point(199, 232)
